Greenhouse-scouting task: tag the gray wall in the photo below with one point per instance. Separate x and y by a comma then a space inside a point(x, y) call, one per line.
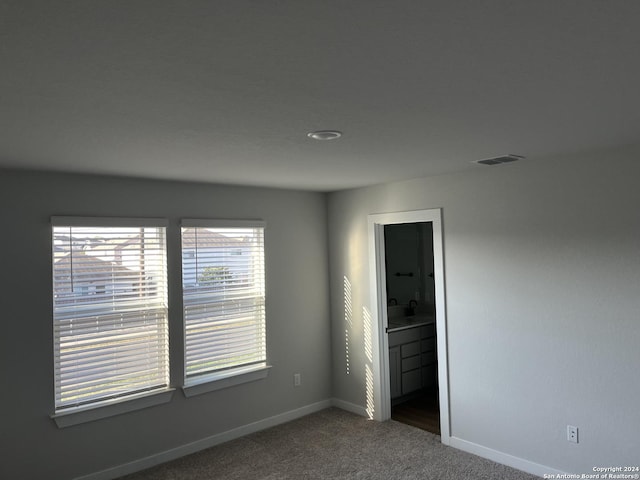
point(542, 278)
point(298, 338)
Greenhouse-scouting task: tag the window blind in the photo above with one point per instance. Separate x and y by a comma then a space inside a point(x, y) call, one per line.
point(109, 311)
point(223, 280)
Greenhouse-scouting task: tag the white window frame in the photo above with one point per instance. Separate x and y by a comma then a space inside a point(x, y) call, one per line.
point(67, 414)
point(219, 379)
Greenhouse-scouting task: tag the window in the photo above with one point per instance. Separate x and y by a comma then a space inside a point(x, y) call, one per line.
point(223, 280)
point(109, 310)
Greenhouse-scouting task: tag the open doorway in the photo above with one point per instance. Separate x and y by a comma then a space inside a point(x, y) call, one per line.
point(413, 306)
point(413, 375)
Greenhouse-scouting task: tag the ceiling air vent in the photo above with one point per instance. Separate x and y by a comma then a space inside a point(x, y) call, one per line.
point(500, 160)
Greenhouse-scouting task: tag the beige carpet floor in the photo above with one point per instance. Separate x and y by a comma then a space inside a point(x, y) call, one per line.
point(333, 444)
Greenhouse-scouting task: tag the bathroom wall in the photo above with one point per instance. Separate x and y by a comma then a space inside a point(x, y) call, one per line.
point(409, 258)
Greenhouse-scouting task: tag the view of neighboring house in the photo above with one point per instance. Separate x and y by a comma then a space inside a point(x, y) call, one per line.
point(88, 269)
point(211, 258)
point(84, 277)
point(91, 269)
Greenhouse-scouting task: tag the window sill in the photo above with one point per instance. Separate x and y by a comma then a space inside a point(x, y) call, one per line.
point(230, 378)
point(111, 408)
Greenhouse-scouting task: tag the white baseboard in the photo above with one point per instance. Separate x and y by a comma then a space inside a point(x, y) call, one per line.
point(207, 442)
point(503, 458)
point(470, 447)
point(349, 407)
point(181, 451)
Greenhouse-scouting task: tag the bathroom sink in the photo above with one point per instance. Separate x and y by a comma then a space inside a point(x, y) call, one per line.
point(400, 322)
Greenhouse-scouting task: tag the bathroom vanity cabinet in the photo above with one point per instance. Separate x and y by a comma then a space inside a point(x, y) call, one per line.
point(412, 359)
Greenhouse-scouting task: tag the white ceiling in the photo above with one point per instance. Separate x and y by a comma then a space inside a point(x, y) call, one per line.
point(225, 91)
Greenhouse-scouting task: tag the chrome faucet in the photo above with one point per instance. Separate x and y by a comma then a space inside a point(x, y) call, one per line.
point(411, 310)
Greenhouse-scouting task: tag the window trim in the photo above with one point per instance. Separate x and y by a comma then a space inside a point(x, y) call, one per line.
point(108, 407)
point(228, 378)
point(225, 223)
point(209, 382)
point(222, 379)
point(112, 407)
point(79, 221)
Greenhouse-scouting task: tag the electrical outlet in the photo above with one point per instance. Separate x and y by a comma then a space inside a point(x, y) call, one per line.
point(572, 434)
point(296, 380)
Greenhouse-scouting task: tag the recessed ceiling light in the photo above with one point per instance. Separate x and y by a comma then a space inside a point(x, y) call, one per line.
point(325, 134)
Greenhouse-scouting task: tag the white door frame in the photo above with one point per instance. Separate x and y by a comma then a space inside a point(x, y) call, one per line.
point(378, 305)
